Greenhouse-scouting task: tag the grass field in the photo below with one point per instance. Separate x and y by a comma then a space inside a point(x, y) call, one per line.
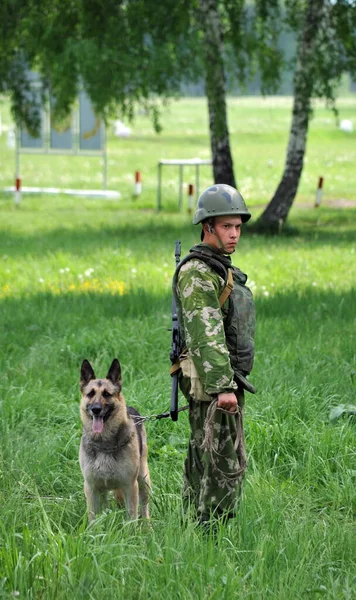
point(91, 279)
point(258, 131)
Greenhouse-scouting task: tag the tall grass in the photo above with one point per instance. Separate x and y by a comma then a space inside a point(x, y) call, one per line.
point(91, 279)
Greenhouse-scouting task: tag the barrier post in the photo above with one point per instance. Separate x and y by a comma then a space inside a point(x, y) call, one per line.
point(138, 183)
point(17, 190)
point(319, 192)
point(17, 193)
point(190, 197)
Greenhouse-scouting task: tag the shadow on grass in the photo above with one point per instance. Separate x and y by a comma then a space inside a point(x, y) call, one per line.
point(101, 317)
point(324, 226)
point(307, 304)
point(92, 323)
point(157, 233)
point(142, 238)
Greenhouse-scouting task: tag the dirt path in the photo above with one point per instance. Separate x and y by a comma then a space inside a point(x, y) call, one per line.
point(337, 203)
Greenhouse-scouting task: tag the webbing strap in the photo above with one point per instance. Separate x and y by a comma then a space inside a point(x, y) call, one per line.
point(174, 368)
point(222, 299)
point(227, 289)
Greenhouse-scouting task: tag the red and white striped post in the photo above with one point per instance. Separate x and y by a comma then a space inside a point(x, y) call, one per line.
point(17, 190)
point(138, 183)
point(319, 192)
point(190, 197)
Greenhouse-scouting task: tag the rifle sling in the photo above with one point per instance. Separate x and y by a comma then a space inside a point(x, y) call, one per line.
point(229, 286)
point(227, 289)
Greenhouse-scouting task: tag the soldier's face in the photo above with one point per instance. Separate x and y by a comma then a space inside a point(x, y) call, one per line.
point(227, 231)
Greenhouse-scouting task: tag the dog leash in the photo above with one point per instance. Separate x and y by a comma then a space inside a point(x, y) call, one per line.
point(138, 419)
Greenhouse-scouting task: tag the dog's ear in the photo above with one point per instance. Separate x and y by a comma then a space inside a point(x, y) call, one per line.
point(114, 373)
point(86, 373)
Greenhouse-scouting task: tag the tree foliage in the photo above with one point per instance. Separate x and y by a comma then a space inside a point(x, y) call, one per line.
point(124, 51)
point(120, 51)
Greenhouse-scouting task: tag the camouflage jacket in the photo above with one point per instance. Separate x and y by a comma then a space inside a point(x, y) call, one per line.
point(219, 340)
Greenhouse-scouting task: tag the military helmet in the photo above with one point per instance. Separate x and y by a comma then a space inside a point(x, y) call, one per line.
point(219, 200)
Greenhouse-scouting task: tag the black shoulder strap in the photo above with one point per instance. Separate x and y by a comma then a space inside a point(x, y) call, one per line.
point(209, 260)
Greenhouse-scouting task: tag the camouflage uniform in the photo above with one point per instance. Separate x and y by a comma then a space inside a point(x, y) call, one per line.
point(219, 343)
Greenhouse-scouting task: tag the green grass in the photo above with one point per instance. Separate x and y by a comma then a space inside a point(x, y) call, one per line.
point(91, 279)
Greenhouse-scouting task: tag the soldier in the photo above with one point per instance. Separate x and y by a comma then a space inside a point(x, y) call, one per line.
point(217, 322)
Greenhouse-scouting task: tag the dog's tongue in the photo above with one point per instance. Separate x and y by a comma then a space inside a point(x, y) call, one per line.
point(98, 424)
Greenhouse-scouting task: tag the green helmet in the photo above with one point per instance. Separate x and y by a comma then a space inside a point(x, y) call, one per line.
point(219, 200)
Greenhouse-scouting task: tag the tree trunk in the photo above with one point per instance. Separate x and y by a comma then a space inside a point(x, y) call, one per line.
point(215, 89)
point(276, 212)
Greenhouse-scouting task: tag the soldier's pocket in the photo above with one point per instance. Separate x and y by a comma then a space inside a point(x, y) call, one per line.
point(190, 377)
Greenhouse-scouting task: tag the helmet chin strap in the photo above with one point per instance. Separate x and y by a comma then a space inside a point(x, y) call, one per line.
point(220, 244)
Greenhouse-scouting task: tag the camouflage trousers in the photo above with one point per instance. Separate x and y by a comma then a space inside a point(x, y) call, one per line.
point(213, 472)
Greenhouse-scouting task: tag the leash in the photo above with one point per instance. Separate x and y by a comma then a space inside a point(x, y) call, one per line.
point(208, 441)
point(138, 419)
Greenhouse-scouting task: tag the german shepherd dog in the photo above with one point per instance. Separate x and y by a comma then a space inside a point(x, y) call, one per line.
point(113, 448)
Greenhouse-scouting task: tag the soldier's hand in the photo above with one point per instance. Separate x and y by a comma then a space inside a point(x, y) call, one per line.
point(227, 401)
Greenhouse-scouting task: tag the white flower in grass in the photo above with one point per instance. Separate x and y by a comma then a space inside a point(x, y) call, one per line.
point(80, 276)
point(314, 284)
point(41, 280)
point(134, 270)
point(266, 293)
point(88, 272)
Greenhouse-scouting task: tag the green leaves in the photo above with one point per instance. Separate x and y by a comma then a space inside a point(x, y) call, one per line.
point(121, 52)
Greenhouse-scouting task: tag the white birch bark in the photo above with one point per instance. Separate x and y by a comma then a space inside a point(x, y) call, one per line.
point(276, 212)
point(215, 89)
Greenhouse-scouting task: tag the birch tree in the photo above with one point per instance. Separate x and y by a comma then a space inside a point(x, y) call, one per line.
point(215, 89)
point(326, 48)
point(245, 38)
